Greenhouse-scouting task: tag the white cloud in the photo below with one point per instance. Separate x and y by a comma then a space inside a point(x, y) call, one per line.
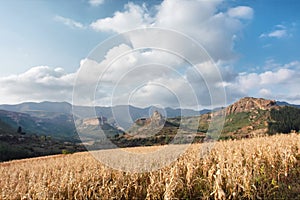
point(69, 22)
point(201, 20)
point(145, 85)
point(216, 30)
point(280, 26)
point(96, 2)
point(252, 80)
point(265, 93)
point(279, 32)
point(153, 76)
point(280, 76)
point(119, 77)
point(37, 84)
point(242, 12)
point(282, 83)
point(133, 16)
point(293, 65)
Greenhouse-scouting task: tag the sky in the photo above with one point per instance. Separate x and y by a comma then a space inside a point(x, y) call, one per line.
point(81, 51)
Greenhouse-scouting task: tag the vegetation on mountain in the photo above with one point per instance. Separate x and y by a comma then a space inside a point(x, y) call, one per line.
point(60, 126)
point(14, 144)
point(246, 118)
point(284, 120)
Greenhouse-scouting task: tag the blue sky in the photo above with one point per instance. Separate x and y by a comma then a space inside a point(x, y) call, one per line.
point(256, 42)
point(255, 50)
point(30, 34)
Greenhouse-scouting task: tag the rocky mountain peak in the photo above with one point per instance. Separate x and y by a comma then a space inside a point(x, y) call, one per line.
point(156, 115)
point(248, 104)
point(157, 119)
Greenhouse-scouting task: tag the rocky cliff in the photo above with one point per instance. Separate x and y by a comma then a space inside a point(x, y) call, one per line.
point(94, 121)
point(155, 120)
point(248, 104)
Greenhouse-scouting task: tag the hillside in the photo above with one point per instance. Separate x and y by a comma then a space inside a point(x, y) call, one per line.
point(248, 117)
point(96, 129)
point(251, 117)
point(249, 104)
point(59, 107)
point(17, 144)
point(59, 125)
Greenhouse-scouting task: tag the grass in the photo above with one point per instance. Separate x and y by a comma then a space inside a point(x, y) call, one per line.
point(236, 121)
point(256, 168)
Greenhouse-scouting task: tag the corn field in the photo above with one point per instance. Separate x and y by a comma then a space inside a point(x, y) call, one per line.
point(257, 168)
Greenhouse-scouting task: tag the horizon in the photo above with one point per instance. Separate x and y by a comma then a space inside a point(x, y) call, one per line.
point(148, 106)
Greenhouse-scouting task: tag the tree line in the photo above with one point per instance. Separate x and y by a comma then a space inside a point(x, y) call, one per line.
point(284, 120)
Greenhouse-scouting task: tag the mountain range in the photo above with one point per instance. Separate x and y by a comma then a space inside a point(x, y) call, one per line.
point(48, 109)
point(66, 108)
point(49, 124)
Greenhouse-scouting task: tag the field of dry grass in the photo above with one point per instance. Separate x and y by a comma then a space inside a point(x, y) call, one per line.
point(258, 168)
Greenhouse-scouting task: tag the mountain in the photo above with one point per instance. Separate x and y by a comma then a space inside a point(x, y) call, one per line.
point(248, 117)
point(144, 127)
point(60, 126)
point(46, 109)
point(132, 126)
point(36, 129)
point(16, 144)
point(5, 129)
point(58, 107)
point(283, 103)
point(55, 119)
point(121, 116)
point(96, 128)
point(249, 104)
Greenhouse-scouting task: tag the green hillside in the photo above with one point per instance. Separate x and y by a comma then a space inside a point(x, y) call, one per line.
point(59, 125)
point(248, 117)
point(14, 145)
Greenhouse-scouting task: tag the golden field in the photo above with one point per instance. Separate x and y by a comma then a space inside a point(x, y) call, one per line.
point(257, 168)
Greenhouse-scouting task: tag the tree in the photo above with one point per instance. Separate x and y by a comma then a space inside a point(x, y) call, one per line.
point(19, 130)
point(284, 120)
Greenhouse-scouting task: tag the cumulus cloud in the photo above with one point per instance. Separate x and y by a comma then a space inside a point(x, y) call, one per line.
point(37, 84)
point(135, 77)
point(69, 22)
point(282, 83)
point(242, 12)
point(202, 20)
point(144, 85)
point(128, 73)
point(134, 16)
point(265, 93)
point(268, 78)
